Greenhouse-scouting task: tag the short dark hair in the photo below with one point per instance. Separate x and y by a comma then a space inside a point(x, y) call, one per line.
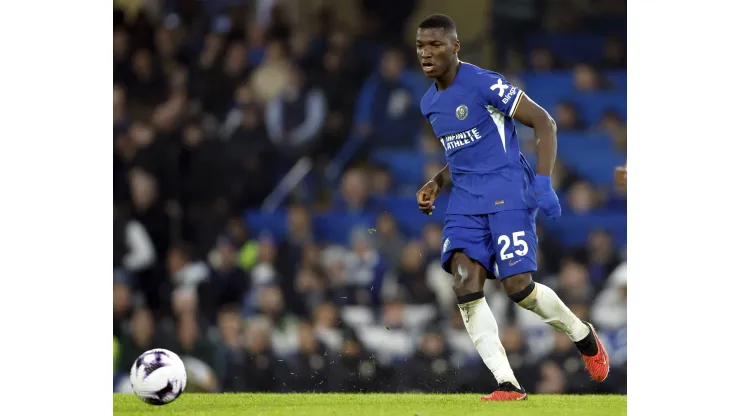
point(436, 21)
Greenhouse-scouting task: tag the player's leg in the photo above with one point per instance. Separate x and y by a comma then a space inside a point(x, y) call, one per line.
point(516, 240)
point(465, 251)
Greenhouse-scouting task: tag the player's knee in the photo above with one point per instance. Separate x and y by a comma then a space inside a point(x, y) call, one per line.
point(519, 287)
point(465, 275)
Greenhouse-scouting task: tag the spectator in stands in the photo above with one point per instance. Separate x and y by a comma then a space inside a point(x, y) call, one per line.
point(518, 354)
point(582, 198)
point(227, 283)
point(393, 313)
point(573, 284)
point(354, 368)
point(295, 116)
point(365, 269)
point(585, 79)
point(141, 336)
point(567, 117)
point(133, 249)
point(430, 368)
point(310, 288)
point(387, 110)
point(221, 81)
point(247, 250)
point(120, 114)
point(412, 275)
point(122, 70)
point(147, 86)
point(381, 182)
point(601, 256)
point(340, 84)
point(261, 369)
point(122, 302)
point(186, 274)
point(265, 271)
point(355, 195)
point(249, 154)
point(614, 55)
point(551, 379)
point(432, 234)
point(290, 251)
point(569, 362)
point(327, 326)
point(309, 368)
point(612, 123)
point(190, 341)
point(230, 364)
point(610, 306)
point(541, 59)
point(562, 177)
point(389, 240)
point(271, 305)
point(273, 73)
point(203, 189)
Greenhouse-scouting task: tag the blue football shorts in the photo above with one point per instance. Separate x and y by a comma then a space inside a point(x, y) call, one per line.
point(505, 243)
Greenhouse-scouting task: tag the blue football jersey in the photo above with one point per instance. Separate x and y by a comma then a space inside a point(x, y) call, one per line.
point(473, 121)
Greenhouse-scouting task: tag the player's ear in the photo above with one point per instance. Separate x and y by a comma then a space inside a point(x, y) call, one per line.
point(456, 46)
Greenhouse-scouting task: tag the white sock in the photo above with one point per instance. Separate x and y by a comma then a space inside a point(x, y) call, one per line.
point(483, 330)
point(545, 303)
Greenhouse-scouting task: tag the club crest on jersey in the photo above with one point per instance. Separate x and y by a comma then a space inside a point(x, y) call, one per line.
point(462, 112)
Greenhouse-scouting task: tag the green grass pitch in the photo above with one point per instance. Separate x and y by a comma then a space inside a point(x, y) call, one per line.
point(371, 404)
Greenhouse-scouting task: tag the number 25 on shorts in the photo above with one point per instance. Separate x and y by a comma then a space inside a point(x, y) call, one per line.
point(520, 246)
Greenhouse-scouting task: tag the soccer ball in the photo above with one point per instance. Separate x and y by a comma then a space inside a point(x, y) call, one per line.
point(158, 377)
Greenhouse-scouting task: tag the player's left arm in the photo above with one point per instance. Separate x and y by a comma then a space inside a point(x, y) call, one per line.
point(532, 115)
point(514, 103)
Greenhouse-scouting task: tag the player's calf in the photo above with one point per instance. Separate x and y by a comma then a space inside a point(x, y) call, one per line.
point(543, 301)
point(468, 280)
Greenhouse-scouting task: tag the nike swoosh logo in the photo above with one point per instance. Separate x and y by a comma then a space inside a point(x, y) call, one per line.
point(511, 263)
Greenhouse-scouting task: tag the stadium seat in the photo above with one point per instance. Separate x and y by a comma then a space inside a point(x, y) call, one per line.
point(570, 48)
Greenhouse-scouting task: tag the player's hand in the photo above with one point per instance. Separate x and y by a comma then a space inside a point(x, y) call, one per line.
point(426, 196)
point(546, 197)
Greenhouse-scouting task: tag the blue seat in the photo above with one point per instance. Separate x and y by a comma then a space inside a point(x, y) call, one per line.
point(259, 222)
point(407, 166)
point(337, 228)
point(571, 48)
point(592, 105)
point(410, 220)
point(572, 230)
point(545, 85)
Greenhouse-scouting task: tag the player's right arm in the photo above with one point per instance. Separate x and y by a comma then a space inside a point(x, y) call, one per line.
point(428, 193)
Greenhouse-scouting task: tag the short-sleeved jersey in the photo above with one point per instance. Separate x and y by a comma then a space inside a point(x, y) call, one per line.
point(473, 121)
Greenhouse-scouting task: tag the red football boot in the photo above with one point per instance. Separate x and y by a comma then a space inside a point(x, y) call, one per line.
point(597, 365)
point(505, 392)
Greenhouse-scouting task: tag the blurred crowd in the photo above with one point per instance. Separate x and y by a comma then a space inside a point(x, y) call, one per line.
point(212, 106)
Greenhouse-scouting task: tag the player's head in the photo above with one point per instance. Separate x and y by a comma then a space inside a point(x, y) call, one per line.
point(437, 44)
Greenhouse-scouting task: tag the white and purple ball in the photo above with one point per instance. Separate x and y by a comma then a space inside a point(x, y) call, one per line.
point(158, 377)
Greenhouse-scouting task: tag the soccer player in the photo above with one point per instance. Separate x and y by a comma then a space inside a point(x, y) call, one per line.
point(489, 228)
